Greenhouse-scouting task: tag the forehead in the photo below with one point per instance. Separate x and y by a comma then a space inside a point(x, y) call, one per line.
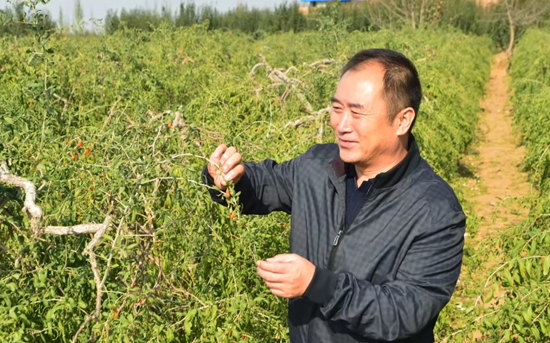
point(364, 82)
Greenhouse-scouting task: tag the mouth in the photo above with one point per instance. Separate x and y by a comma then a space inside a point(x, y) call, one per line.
point(344, 143)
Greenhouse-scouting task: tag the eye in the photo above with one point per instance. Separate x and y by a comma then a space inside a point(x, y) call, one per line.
point(337, 108)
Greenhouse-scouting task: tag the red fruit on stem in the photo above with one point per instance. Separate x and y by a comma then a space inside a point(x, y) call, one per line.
point(74, 157)
point(227, 193)
point(87, 151)
point(232, 215)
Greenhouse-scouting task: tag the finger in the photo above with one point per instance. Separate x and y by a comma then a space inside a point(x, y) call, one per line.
point(214, 165)
point(217, 154)
point(276, 285)
point(272, 277)
point(283, 258)
point(236, 174)
point(231, 162)
point(273, 267)
point(230, 151)
point(279, 293)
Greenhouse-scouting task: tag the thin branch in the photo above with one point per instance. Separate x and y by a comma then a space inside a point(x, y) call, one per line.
point(111, 113)
point(301, 121)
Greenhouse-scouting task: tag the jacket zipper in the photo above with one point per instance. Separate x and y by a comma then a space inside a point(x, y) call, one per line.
point(340, 233)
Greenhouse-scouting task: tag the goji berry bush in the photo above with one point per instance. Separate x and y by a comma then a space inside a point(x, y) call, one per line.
point(122, 125)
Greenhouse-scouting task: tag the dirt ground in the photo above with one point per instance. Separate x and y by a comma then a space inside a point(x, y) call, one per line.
point(503, 188)
point(496, 187)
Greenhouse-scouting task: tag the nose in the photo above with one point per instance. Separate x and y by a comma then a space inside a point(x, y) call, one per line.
point(345, 122)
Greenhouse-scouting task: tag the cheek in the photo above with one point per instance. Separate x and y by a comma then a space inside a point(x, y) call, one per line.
point(334, 121)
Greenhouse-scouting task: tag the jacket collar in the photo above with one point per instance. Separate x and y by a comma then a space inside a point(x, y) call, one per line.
point(390, 178)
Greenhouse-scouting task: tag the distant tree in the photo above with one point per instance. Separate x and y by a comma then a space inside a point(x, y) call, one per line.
point(79, 16)
point(112, 22)
point(523, 13)
point(187, 15)
point(60, 20)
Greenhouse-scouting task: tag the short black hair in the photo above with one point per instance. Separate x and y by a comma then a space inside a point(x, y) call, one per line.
point(402, 87)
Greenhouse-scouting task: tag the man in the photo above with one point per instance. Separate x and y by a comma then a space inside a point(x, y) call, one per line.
point(376, 235)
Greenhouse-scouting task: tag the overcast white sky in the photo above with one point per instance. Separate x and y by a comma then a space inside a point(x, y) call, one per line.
point(98, 8)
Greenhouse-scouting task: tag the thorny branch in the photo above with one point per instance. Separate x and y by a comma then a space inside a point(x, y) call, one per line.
point(278, 76)
point(36, 216)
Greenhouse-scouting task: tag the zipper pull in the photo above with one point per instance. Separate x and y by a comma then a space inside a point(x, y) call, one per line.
point(337, 238)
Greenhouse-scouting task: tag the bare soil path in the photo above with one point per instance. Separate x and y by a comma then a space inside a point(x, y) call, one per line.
point(496, 188)
point(503, 189)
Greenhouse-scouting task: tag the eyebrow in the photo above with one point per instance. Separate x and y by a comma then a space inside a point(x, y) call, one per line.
point(352, 105)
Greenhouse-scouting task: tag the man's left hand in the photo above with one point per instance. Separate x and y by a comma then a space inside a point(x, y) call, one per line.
point(286, 275)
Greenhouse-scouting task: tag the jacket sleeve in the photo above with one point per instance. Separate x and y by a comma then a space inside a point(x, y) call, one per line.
point(265, 187)
point(401, 308)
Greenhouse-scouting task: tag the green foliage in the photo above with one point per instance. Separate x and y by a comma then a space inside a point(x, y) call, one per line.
point(182, 268)
point(524, 312)
point(16, 21)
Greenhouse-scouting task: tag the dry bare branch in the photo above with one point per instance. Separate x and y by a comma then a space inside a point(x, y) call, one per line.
point(322, 62)
point(316, 115)
point(73, 230)
point(33, 211)
point(89, 250)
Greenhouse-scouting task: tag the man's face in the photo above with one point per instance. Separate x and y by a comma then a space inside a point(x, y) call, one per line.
point(359, 118)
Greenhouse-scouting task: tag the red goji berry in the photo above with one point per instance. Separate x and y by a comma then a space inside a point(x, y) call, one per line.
point(232, 216)
point(170, 124)
point(74, 157)
point(227, 193)
point(229, 334)
point(87, 152)
point(79, 144)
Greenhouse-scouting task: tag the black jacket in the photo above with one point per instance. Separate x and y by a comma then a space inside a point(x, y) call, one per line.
point(383, 277)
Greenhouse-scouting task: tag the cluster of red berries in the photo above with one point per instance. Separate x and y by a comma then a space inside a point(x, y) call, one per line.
point(79, 146)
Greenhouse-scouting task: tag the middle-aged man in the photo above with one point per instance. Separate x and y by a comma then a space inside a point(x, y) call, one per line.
point(377, 237)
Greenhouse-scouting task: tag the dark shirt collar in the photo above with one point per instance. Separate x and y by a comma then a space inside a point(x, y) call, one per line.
point(392, 176)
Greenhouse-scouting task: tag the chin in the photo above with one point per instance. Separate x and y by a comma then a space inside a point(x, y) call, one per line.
point(347, 157)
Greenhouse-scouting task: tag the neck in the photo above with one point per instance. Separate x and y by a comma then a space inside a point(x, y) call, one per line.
point(367, 172)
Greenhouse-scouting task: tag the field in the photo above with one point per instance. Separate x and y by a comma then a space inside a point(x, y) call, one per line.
point(121, 125)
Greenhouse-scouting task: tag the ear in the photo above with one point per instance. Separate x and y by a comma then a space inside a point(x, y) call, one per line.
point(403, 121)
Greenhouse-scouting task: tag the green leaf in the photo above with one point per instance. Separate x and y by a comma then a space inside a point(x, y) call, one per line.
point(546, 265)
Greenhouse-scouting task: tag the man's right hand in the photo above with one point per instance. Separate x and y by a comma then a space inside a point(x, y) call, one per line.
point(225, 165)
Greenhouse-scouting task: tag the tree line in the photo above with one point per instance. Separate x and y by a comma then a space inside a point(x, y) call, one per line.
point(504, 21)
